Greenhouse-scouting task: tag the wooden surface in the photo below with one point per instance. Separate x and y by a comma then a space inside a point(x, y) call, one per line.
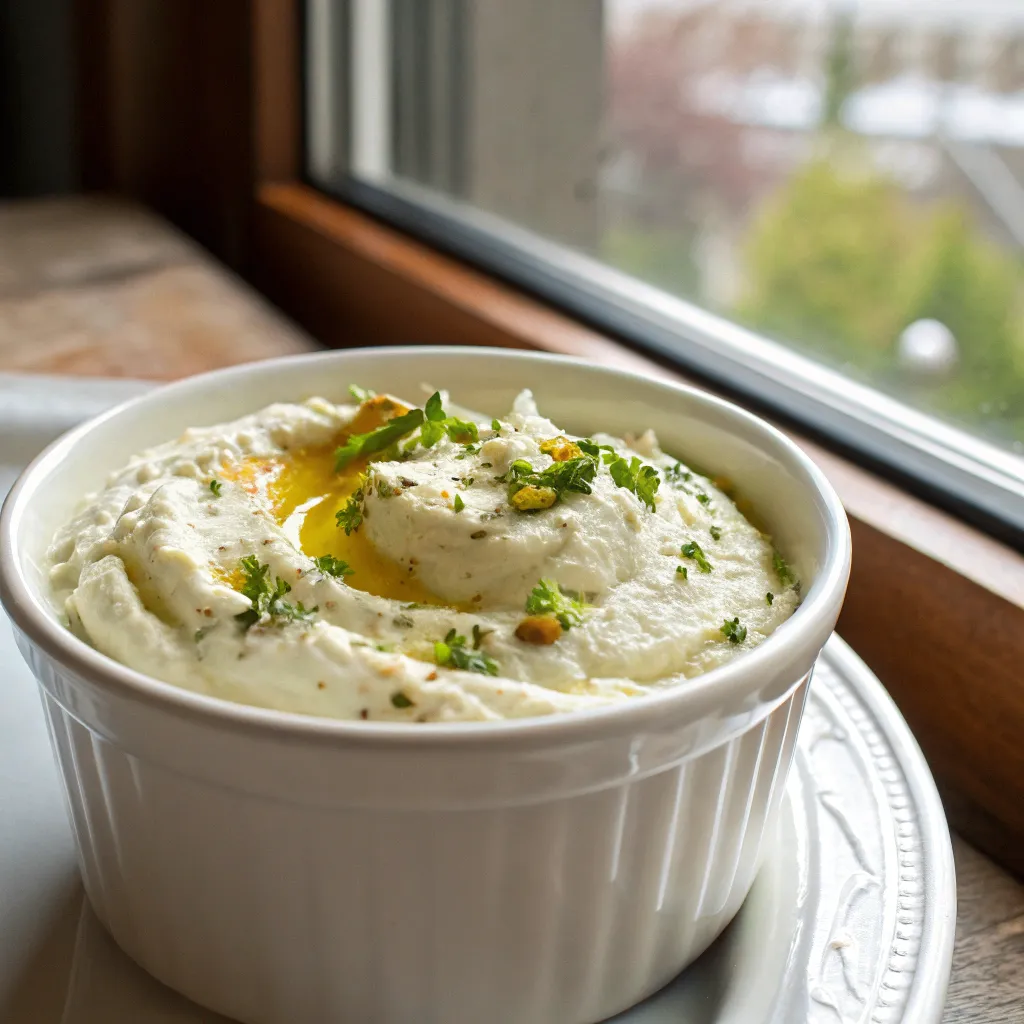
point(99, 288)
point(91, 287)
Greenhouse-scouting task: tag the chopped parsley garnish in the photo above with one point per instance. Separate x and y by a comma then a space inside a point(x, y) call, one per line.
point(530, 489)
point(693, 550)
point(267, 598)
point(361, 394)
point(677, 474)
point(479, 634)
point(548, 598)
point(458, 504)
point(782, 570)
point(377, 440)
point(452, 652)
point(733, 631)
point(770, 598)
point(216, 487)
point(593, 448)
point(331, 566)
point(437, 423)
point(635, 476)
point(383, 488)
point(716, 532)
point(351, 516)
point(496, 426)
point(704, 499)
point(399, 700)
point(681, 570)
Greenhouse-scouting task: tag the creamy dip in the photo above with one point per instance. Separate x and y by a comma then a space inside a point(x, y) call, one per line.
point(378, 561)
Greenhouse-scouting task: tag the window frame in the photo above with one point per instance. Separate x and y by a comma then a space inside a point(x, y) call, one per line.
point(935, 607)
point(964, 474)
point(950, 466)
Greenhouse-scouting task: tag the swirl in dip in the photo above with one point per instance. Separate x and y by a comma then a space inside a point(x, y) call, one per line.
point(384, 562)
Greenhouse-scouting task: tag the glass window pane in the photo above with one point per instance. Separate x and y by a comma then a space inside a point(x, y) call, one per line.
point(846, 177)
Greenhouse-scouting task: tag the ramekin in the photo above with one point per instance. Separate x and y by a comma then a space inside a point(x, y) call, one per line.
point(280, 868)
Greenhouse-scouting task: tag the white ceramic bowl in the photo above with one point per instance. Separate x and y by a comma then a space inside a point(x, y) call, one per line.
point(283, 869)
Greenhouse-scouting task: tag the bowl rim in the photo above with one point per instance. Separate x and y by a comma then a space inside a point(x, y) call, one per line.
point(42, 629)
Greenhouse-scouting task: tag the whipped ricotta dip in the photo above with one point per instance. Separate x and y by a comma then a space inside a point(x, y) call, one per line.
point(376, 560)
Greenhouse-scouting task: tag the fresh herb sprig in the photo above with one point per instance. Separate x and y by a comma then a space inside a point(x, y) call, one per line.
point(331, 566)
point(530, 489)
point(677, 474)
point(452, 652)
point(733, 631)
point(360, 445)
point(549, 598)
point(592, 448)
point(782, 570)
point(350, 517)
point(635, 476)
point(216, 487)
point(693, 550)
point(267, 598)
point(437, 423)
point(361, 394)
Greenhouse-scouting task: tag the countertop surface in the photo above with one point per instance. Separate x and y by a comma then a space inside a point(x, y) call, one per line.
point(95, 287)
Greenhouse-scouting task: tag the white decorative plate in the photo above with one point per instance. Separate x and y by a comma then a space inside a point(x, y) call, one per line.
point(850, 920)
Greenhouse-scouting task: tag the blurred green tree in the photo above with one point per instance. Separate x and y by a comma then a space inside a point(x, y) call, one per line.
point(972, 287)
point(825, 260)
point(840, 262)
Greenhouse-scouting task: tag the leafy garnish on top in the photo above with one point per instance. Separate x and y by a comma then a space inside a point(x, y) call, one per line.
point(452, 652)
point(361, 394)
point(530, 489)
point(351, 516)
point(635, 476)
point(549, 598)
point(331, 566)
point(593, 448)
point(782, 570)
point(437, 423)
point(677, 474)
point(359, 445)
point(267, 598)
point(733, 631)
point(693, 550)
